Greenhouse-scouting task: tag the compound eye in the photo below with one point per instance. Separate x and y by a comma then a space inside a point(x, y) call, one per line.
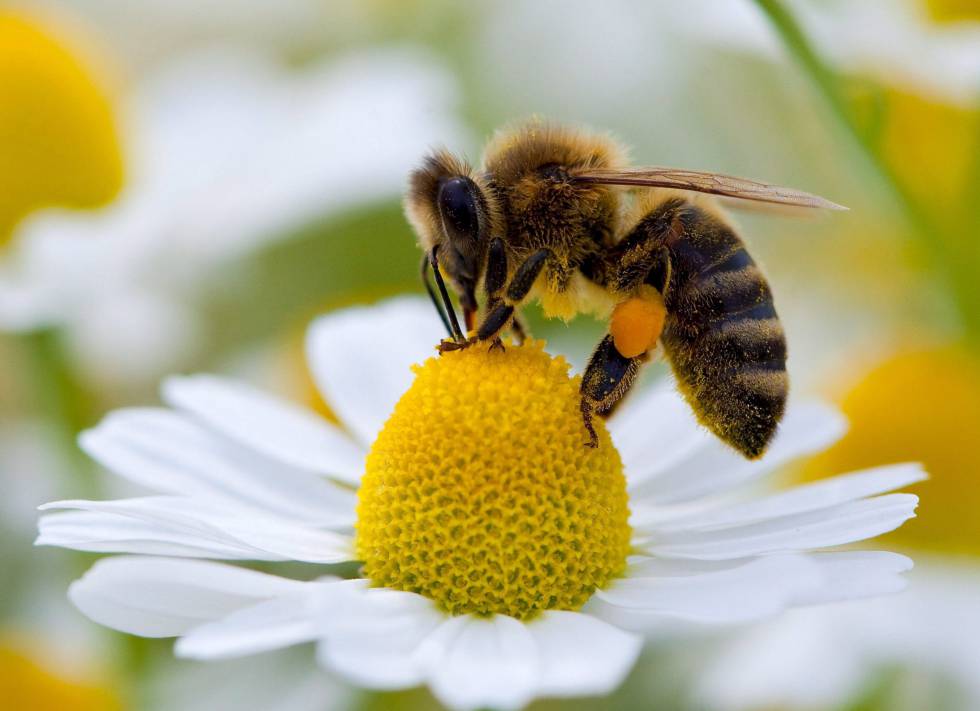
point(457, 206)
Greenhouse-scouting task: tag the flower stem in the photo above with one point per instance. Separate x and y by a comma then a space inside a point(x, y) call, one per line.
point(958, 269)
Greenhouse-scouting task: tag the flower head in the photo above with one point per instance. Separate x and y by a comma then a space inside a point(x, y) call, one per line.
point(59, 143)
point(503, 559)
point(480, 495)
point(27, 682)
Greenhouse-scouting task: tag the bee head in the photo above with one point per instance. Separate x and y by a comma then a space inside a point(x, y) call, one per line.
point(454, 211)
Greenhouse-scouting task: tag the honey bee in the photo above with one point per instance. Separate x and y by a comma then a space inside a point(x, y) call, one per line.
point(556, 214)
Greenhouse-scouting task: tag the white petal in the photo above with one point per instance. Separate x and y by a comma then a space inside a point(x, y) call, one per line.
point(749, 591)
point(654, 430)
point(580, 654)
point(473, 663)
point(266, 424)
point(808, 659)
point(266, 537)
point(273, 624)
point(832, 526)
point(809, 497)
point(370, 635)
point(361, 358)
point(164, 597)
point(716, 468)
point(168, 452)
point(99, 532)
point(857, 574)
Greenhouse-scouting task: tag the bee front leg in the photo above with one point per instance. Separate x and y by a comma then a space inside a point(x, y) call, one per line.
point(607, 378)
point(500, 311)
point(517, 329)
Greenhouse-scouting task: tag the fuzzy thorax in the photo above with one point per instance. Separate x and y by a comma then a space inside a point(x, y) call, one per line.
point(480, 494)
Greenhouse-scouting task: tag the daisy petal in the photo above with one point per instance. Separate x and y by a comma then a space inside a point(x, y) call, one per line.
point(809, 497)
point(167, 452)
point(474, 662)
point(273, 624)
point(267, 538)
point(832, 526)
point(581, 655)
point(98, 532)
point(715, 468)
point(164, 597)
point(273, 427)
point(361, 359)
point(370, 635)
point(649, 451)
point(856, 574)
point(749, 591)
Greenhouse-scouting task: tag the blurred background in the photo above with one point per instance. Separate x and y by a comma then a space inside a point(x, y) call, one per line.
point(183, 185)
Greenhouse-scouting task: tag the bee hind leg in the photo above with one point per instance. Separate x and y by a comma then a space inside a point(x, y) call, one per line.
point(607, 378)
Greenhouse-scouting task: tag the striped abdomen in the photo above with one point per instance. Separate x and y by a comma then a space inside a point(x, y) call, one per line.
point(722, 335)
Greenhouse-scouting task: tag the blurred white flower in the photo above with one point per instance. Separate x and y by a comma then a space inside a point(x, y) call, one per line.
point(825, 658)
point(144, 33)
point(228, 150)
point(892, 40)
point(244, 476)
point(279, 681)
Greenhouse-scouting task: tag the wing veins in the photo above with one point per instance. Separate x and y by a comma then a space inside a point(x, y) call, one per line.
point(706, 182)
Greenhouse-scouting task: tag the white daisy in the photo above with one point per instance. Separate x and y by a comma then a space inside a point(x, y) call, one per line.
point(500, 564)
point(226, 151)
point(828, 658)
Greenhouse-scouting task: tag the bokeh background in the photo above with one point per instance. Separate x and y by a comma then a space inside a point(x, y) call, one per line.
point(183, 185)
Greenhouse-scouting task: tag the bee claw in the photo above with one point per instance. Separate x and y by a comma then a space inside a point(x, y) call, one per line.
point(447, 346)
point(497, 345)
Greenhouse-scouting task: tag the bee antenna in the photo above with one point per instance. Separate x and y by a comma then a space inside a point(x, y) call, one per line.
point(424, 270)
point(447, 316)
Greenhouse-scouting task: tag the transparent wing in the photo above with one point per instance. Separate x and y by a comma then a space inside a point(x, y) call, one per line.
point(704, 182)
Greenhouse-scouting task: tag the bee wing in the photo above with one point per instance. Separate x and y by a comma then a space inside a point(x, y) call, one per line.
point(705, 182)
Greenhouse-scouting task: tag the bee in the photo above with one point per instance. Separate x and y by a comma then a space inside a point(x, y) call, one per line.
point(556, 214)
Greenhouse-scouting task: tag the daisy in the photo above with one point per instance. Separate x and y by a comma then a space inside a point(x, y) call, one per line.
point(502, 559)
point(890, 40)
point(894, 647)
point(224, 153)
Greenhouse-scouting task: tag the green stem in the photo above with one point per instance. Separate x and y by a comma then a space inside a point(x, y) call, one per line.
point(60, 400)
point(958, 270)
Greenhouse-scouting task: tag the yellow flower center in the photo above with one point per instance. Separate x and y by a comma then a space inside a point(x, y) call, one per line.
point(59, 144)
point(480, 492)
point(953, 10)
point(26, 683)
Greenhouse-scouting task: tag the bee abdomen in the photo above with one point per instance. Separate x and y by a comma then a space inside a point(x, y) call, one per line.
point(728, 348)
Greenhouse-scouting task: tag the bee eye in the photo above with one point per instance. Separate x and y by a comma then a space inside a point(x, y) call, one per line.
point(457, 205)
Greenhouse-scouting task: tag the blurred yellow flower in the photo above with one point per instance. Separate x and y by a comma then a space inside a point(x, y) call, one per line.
point(26, 684)
point(59, 142)
point(920, 406)
point(953, 10)
point(930, 145)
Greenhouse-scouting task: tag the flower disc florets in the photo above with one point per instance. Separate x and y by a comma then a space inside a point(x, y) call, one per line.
point(480, 493)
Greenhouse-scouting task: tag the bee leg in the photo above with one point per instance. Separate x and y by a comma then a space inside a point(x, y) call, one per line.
point(454, 331)
point(606, 380)
point(495, 280)
point(493, 284)
point(501, 312)
point(517, 329)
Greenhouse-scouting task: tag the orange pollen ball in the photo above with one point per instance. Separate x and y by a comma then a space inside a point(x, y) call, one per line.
point(637, 322)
